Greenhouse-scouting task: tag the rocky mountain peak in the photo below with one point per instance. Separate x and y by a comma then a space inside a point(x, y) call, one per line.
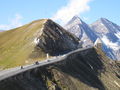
point(81, 30)
point(109, 34)
point(105, 26)
point(103, 19)
point(33, 41)
point(55, 40)
point(104, 29)
point(74, 21)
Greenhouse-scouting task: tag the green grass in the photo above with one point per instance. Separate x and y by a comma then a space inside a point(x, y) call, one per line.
point(17, 44)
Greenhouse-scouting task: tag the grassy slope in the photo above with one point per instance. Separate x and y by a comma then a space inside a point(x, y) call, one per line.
point(17, 44)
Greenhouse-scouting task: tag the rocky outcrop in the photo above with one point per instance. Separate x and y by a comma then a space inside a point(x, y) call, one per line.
point(81, 70)
point(55, 40)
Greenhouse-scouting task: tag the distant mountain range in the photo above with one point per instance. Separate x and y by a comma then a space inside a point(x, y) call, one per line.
point(107, 31)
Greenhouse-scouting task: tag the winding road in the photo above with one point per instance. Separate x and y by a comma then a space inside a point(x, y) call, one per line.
point(17, 70)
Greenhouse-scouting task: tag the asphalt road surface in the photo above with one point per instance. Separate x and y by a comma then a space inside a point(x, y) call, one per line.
point(17, 70)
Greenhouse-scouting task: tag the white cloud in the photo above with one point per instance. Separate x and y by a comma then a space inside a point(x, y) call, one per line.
point(74, 7)
point(15, 22)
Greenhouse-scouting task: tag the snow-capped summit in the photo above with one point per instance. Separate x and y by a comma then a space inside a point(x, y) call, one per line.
point(81, 30)
point(109, 33)
point(74, 21)
point(103, 30)
point(105, 25)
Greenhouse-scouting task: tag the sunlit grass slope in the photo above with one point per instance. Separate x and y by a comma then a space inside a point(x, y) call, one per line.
point(16, 45)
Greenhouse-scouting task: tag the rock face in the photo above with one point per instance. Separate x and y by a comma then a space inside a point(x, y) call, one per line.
point(55, 40)
point(81, 70)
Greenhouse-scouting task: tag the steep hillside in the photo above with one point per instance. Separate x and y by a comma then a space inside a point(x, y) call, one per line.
point(82, 70)
point(31, 42)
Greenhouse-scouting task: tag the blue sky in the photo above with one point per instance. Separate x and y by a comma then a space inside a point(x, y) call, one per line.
point(15, 13)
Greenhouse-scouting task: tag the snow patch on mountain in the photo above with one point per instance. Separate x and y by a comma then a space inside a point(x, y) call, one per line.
point(117, 34)
point(107, 31)
point(79, 28)
point(109, 44)
point(36, 41)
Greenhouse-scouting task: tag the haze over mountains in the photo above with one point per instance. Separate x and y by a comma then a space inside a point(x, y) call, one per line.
point(107, 31)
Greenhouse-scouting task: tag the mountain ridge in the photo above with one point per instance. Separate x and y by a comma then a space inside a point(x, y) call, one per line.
point(31, 42)
point(104, 29)
point(109, 34)
point(81, 30)
point(86, 69)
